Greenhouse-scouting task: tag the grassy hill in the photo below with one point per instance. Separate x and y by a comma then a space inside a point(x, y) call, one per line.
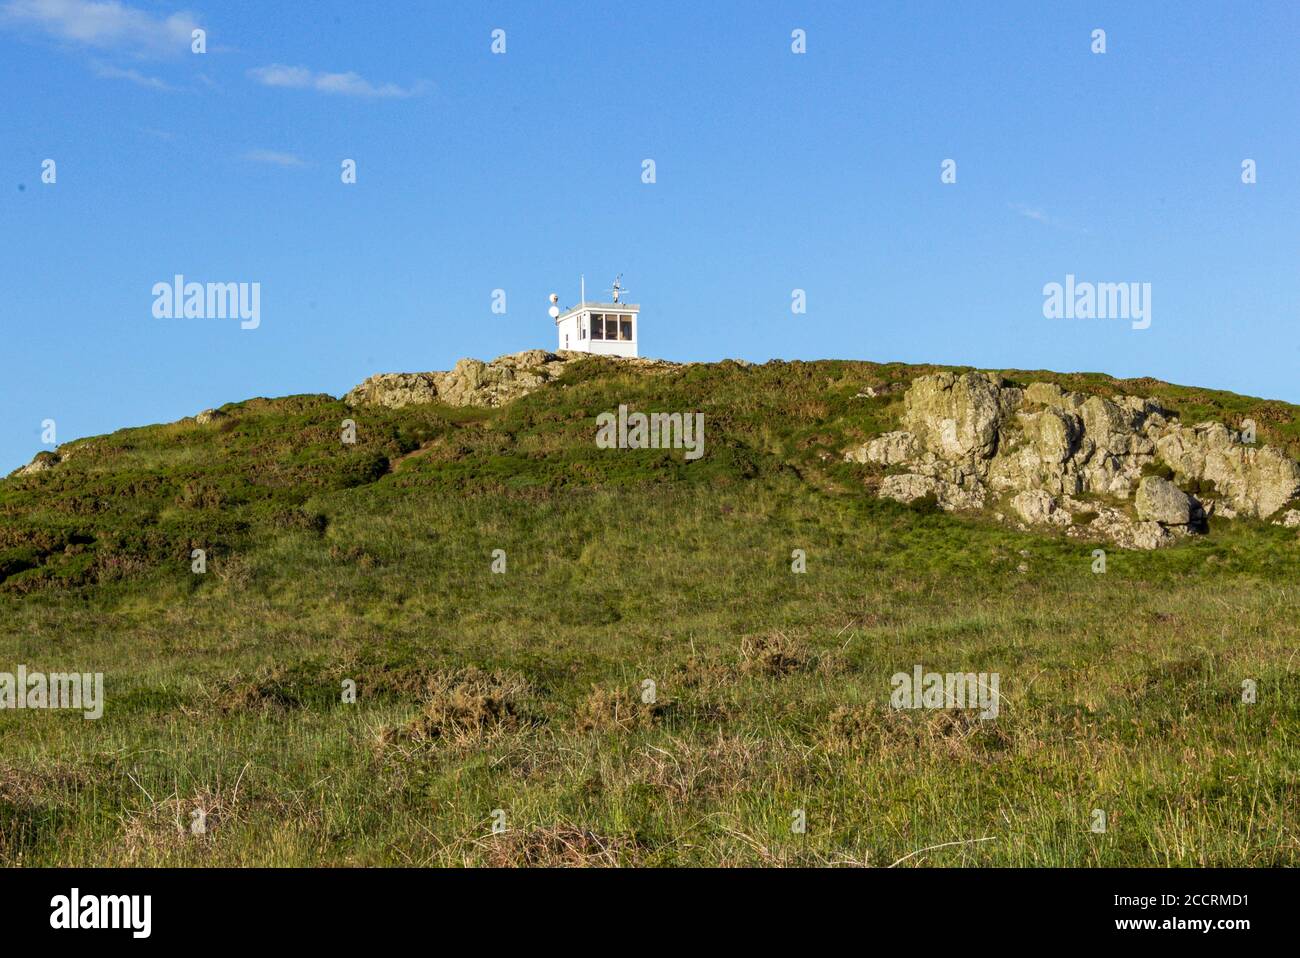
point(522, 692)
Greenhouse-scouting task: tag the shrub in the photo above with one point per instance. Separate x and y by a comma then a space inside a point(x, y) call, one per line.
point(362, 469)
point(927, 505)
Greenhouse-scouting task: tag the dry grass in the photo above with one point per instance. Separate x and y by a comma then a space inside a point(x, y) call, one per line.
point(466, 706)
point(556, 846)
point(618, 709)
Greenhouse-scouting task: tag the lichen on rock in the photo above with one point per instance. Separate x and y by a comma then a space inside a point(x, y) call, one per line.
point(970, 438)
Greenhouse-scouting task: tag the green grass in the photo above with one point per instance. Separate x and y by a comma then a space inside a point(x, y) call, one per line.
point(521, 692)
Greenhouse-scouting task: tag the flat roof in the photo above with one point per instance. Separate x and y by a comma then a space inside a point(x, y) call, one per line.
point(600, 308)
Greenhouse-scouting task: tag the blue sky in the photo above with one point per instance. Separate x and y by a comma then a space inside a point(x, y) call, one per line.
point(774, 171)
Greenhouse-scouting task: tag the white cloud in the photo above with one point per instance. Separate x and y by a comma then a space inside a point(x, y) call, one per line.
point(273, 158)
point(109, 72)
point(104, 24)
point(343, 84)
point(1041, 216)
point(1032, 213)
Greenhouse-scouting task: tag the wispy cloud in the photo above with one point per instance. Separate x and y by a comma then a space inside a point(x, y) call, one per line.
point(109, 72)
point(103, 24)
point(1032, 213)
point(342, 84)
point(1039, 215)
point(273, 157)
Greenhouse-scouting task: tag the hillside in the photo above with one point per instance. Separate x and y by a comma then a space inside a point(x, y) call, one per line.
point(521, 691)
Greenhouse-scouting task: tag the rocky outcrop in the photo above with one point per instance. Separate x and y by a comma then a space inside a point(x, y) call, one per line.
point(41, 462)
point(1253, 481)
point(473, 382)
point(394, 390)
point(969, 439)
point(46, 460)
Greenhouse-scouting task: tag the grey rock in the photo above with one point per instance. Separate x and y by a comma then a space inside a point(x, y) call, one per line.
point(968, 434)
point(1289, 519)
point(1159, 500)
point(473, 382)
point(1254, 481)
point(956, 416)
point(41, 462)
point(1038, 508)
point(908, 487)
point(950, 496)
point(887, 450)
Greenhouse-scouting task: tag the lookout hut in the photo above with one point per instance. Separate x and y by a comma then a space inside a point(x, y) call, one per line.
point(607, 329)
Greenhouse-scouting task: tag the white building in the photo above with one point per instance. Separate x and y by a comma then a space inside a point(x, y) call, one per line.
point(607, 329)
